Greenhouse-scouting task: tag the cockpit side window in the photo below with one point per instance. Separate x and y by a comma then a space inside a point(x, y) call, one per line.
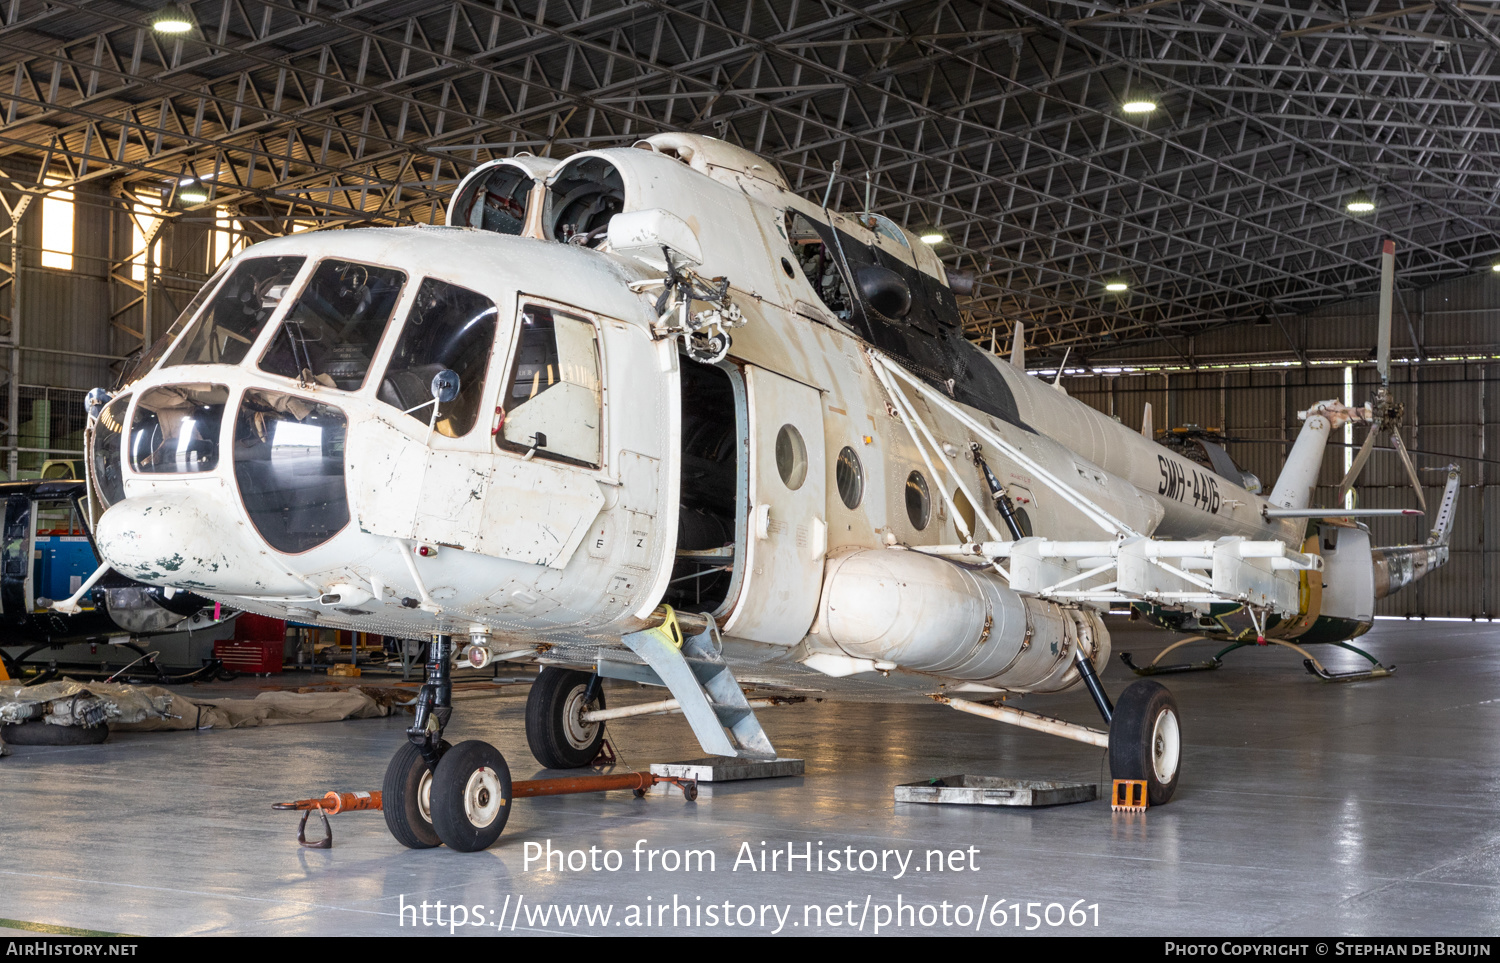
point(495, 201)
point(108, 429)
point(239, 310)
point(331, 333)
point(581, 200)
point(449, 328)
point(553, 401)
point(817, 260)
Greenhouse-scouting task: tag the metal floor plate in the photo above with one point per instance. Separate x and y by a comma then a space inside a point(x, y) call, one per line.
point(966, 790)
point(728, 769)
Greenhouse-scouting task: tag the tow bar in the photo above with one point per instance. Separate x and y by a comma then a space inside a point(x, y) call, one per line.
point(333, 803)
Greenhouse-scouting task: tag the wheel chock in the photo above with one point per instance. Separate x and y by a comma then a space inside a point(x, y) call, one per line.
point(605, 758)
point(1128, 796)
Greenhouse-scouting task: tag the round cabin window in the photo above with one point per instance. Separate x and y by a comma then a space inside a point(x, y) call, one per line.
point(791, 457)
point(918, 501)
point(849, 475)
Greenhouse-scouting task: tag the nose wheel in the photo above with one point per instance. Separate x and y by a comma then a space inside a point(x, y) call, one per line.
point(471, 796)
point(407, 798)
point(1145, 739)
point(555, 729)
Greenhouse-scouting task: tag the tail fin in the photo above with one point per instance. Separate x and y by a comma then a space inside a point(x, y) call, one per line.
point(1442, 527)
point(1146, 428)
point(1400, 565)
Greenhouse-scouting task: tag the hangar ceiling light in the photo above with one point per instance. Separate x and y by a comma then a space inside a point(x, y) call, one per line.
point(1361, 203)
point(1138, 105)
point(171, 19)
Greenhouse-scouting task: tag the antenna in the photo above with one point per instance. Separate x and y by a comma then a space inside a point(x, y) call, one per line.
point(829, 192)
point(869, 194)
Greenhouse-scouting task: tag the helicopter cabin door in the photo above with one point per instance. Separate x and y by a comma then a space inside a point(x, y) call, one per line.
point(788, 536)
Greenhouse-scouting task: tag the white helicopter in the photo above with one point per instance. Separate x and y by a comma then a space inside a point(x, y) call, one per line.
point(646, 414)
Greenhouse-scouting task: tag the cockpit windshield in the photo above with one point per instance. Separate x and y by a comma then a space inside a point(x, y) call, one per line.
point(148, 359)
point(239, 310)
point(176, 429)
point(331, 333)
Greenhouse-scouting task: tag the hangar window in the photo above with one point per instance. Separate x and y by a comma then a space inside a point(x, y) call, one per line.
point(581, 199)
point(331, 333)
point(289, 465)
point(57, 229)
point(176, 429)
point(449, 328)
point(494, 200)
point(238, 312)
point(552, 405)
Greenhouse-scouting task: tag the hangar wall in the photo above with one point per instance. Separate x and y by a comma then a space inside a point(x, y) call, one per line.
point(72, 330)
point(1251, 380)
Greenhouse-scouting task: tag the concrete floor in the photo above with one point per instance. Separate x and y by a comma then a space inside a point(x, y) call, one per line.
point(1304, 809)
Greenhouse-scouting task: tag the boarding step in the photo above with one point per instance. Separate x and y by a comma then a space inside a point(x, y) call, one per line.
point(693, 669)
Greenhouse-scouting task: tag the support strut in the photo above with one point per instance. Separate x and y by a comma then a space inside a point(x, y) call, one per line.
point(434, 701)
point(1095, 687)
point(1003, 504)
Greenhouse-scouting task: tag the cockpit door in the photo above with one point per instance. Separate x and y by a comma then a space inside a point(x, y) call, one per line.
point(788, 536)
point(16, 586)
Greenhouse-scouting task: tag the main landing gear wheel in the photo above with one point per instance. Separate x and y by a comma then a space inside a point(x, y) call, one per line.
point(555, 730)
point(1145, 739)
point(406, 798)
point(470, 796)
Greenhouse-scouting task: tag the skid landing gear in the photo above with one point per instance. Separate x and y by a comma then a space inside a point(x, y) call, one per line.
point(1309, 662)
point(437, 794)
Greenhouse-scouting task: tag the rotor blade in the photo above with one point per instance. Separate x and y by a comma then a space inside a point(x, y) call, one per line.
point(1356, 466)
point(1411, 470)
point(1387, 292)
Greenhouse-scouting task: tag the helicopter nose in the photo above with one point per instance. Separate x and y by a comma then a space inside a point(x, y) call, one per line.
point(181, 539)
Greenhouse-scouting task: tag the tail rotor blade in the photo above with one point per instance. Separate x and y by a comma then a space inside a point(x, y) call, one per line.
point(1411, 470)
point(1387, 294)
point(1357, 465)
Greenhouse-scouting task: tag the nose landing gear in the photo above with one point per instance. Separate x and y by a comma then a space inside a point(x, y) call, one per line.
point(471, 795)
point(437, 794)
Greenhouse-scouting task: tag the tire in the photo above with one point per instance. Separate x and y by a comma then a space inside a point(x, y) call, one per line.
point(470, 796)
point(558, 739)
point(35, 732)
point(1145, 739)
point(404, 795)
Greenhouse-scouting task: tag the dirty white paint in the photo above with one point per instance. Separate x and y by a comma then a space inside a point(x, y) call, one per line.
point(536, 549)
